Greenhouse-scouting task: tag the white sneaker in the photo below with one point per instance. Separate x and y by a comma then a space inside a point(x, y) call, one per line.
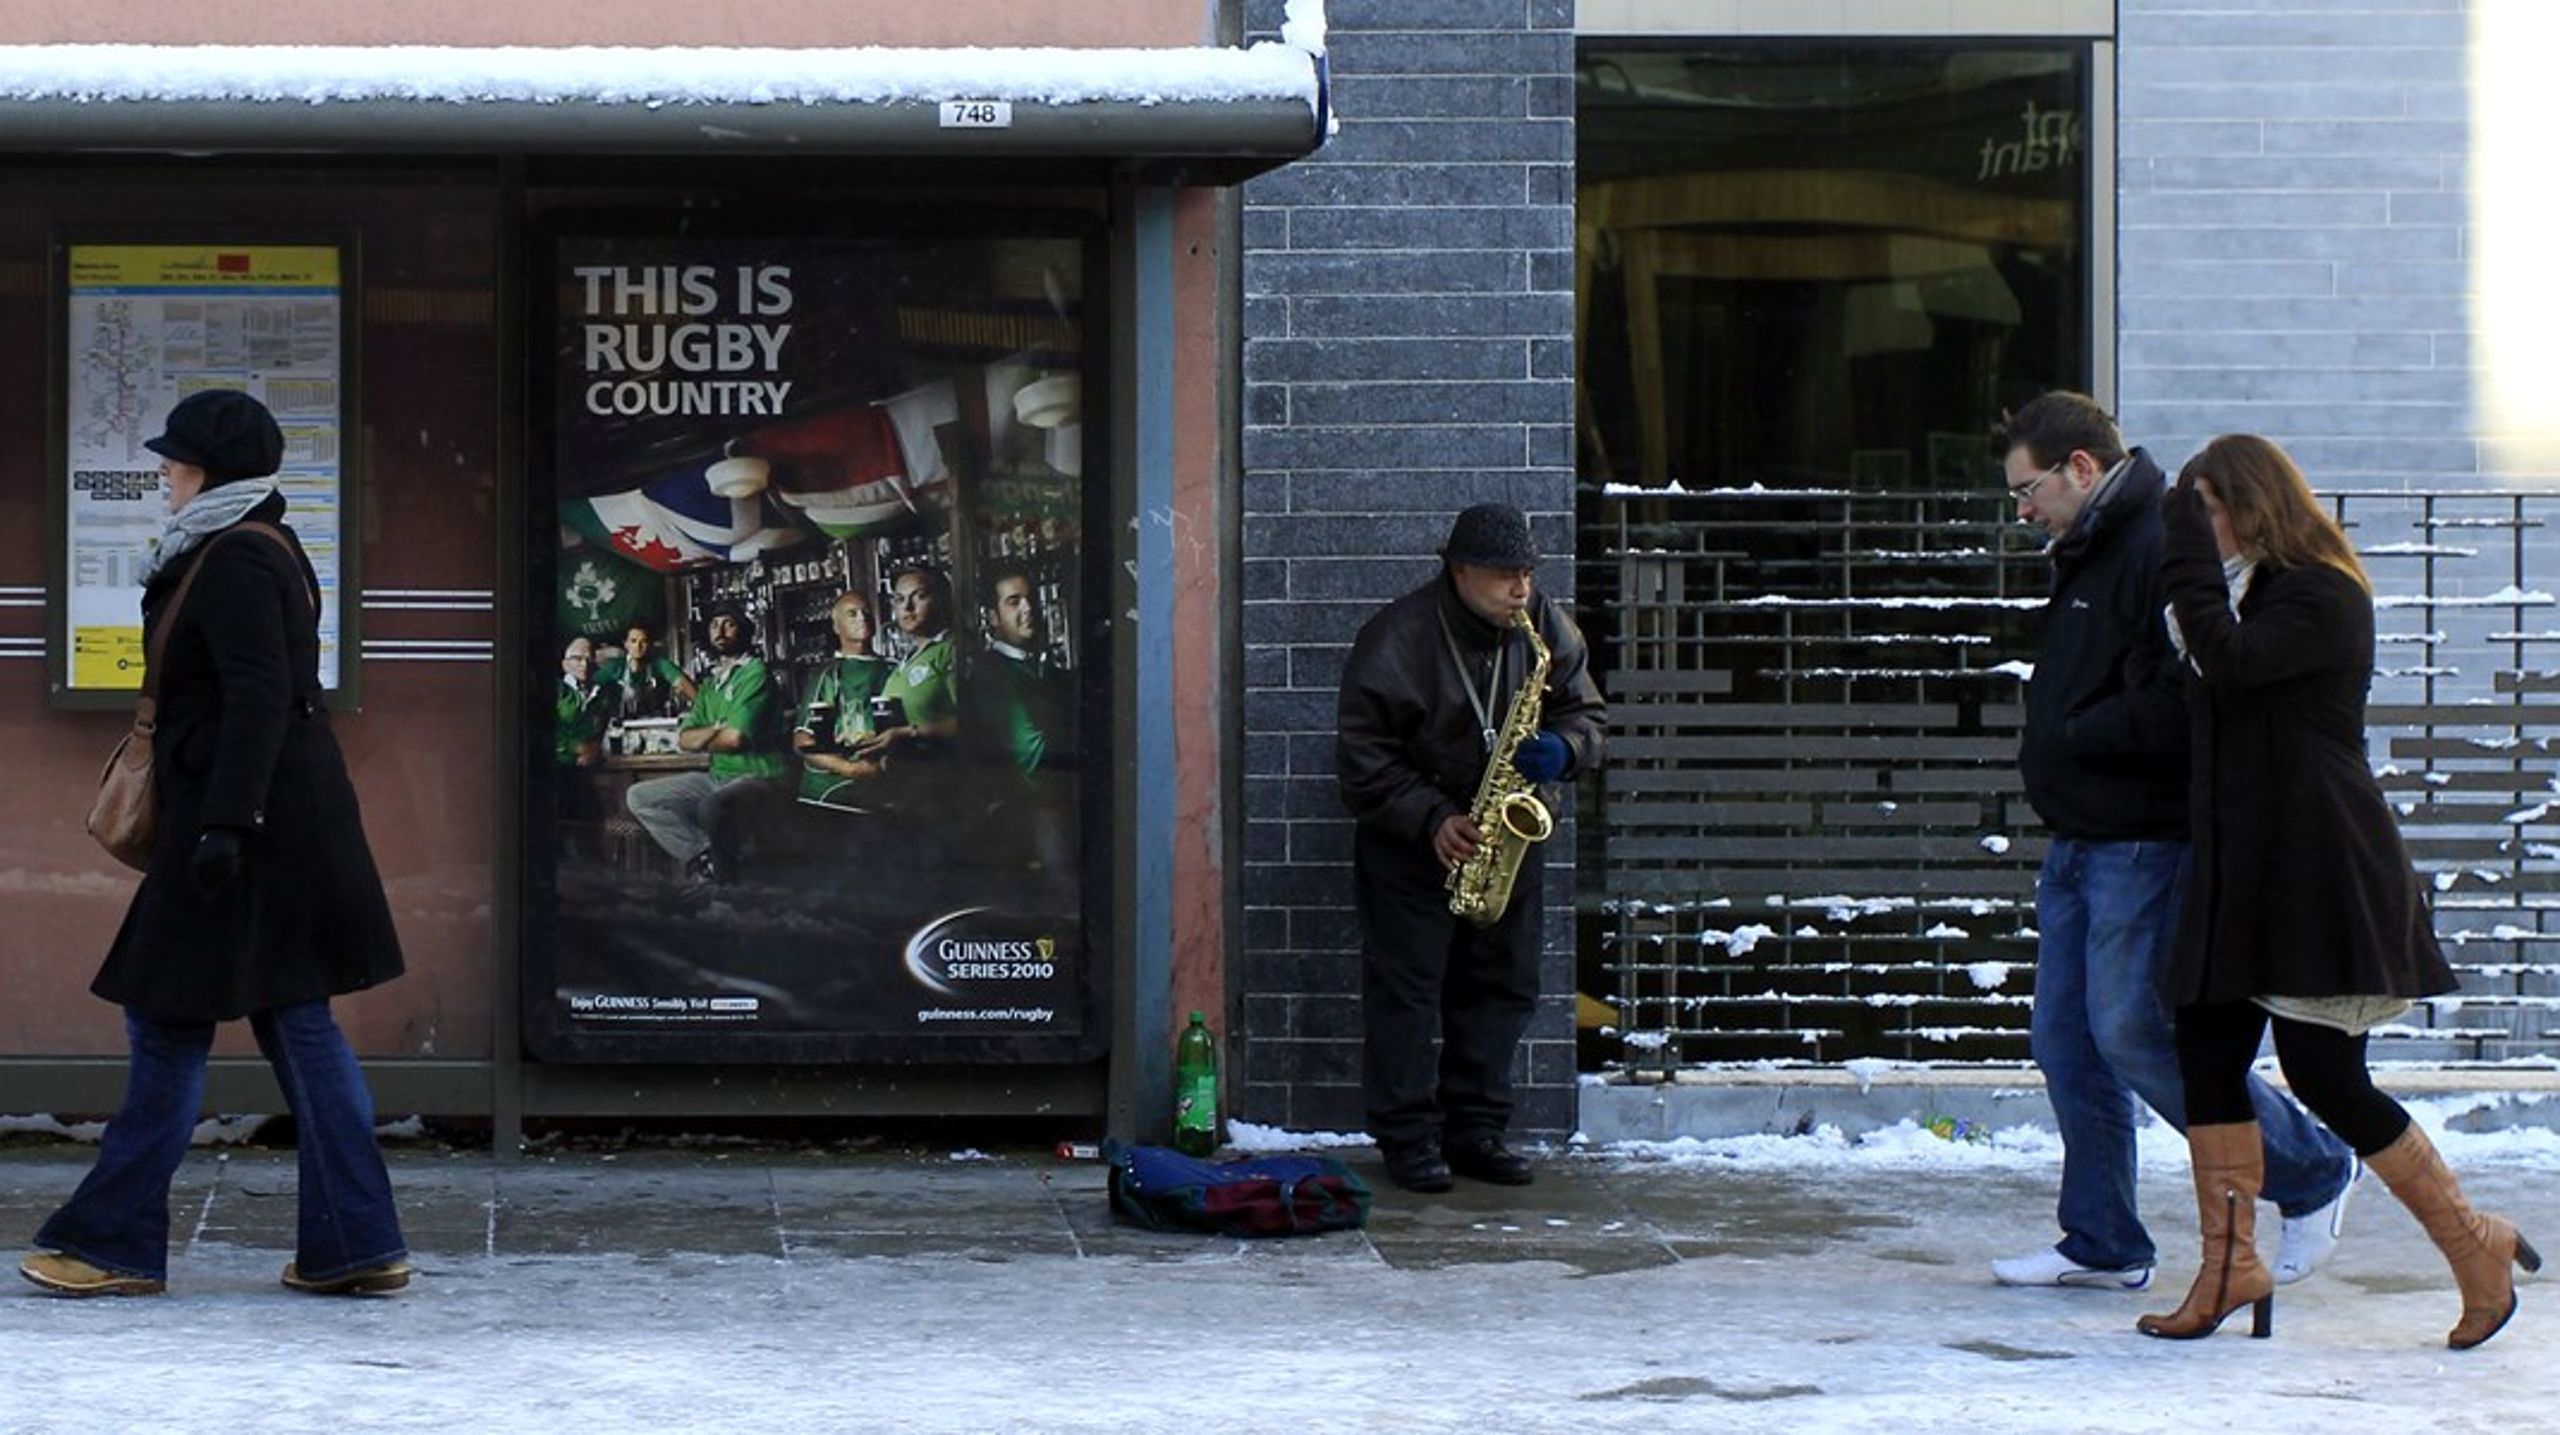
point(2050, 1267)
point(2310, 1237)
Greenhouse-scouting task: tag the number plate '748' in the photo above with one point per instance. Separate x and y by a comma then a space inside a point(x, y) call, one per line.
point(977, 114)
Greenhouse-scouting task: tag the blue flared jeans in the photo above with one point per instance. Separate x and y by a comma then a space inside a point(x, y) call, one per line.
point(118, 1219)
point(2106, 915)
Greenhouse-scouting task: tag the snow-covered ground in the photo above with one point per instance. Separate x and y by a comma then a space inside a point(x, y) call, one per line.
point(1910, 1145)
point(1763, 1284)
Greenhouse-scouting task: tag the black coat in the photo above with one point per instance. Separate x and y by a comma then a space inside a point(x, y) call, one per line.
point(244, 741)
point(2104, 750)
point(1409, 752)
point(2302, 887)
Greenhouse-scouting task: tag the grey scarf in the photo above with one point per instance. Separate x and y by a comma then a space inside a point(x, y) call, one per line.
point(205, 515)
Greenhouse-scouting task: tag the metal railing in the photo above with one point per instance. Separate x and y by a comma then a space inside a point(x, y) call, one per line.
point(1811, 842)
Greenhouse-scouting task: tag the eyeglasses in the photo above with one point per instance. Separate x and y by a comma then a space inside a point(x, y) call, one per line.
point(2021, 492)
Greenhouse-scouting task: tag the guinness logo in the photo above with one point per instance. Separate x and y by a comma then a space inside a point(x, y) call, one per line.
point(981, 952)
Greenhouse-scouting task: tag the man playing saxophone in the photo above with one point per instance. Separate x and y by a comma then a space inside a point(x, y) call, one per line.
point(1436, 686)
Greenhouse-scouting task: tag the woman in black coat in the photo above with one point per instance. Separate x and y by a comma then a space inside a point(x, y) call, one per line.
point(2304, 909)
point(261, 899)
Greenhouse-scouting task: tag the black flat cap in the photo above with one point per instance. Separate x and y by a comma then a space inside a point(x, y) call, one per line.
point(225, 432)
point(1491, 535)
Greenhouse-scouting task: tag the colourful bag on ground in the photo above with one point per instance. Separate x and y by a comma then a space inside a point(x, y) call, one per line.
point(1163, 1190)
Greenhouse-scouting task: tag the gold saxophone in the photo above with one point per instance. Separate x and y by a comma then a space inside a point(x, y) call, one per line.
point(1507, 810)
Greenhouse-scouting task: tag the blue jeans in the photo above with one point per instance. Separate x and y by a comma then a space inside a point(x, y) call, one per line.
point(118, 1219)
point(2106, 915)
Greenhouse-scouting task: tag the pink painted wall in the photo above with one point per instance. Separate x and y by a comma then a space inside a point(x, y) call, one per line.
point(786, 23)
point(423, 746)
point(1200, 694)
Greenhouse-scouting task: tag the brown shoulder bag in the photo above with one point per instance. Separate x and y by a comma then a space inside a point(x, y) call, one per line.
point(121, 815)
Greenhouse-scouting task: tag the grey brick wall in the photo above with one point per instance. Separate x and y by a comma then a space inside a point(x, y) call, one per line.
point(1408, 320)
point(2293, 215)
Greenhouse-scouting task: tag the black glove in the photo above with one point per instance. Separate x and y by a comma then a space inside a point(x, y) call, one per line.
point(2182, 506)
point(217, 859)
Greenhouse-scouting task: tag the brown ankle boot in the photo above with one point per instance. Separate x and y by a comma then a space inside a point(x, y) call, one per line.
point(2230, 1167)
point(2481, 1249)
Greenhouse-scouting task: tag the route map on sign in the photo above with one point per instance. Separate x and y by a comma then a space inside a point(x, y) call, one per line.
point(147, 326)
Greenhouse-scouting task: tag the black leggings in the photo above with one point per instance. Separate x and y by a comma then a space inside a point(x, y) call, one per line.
point(2324, 1066)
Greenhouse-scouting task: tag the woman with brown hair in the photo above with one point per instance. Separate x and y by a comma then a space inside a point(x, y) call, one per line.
point(2304, 909)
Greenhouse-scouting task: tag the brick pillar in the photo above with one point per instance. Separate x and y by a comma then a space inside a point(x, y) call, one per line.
point(1408, 350)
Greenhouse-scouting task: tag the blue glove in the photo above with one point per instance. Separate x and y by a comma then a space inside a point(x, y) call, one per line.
point(1542, 758)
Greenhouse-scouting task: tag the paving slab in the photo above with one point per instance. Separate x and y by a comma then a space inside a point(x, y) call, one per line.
point(1795, 1289)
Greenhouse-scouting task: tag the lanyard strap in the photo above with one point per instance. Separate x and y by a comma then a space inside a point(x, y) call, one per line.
point(1482, 701)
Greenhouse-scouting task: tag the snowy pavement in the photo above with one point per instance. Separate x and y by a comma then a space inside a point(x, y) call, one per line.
point(1763, 1284)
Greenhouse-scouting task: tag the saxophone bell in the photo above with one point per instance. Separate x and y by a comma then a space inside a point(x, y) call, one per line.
point(1523, 816)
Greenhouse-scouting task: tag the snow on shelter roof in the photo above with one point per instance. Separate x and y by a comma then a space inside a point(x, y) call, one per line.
point(312, 74)
point(1265, 100)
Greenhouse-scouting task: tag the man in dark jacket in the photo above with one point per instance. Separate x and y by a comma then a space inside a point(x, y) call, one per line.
point(2104, 757)
point(1425, 692)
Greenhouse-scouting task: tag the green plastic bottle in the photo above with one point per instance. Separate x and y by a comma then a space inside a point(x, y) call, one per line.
point(1195, 1090)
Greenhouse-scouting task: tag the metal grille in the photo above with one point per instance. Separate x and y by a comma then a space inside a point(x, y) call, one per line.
point(1813, 845)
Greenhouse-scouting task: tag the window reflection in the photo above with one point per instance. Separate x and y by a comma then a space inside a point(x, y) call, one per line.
point(1824, 265)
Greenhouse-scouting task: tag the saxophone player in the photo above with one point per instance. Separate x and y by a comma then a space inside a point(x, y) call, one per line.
point(1432, 692)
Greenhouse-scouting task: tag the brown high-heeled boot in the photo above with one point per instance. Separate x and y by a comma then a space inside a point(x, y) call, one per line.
point(2230, 1165)
point(2481, 1249)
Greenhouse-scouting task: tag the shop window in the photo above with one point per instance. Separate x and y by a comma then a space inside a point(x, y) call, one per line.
point(1825, 264)
point(1811, 278)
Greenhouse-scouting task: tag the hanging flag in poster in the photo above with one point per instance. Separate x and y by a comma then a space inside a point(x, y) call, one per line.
point(677, 522)
point(843, 469)
point(602, 596)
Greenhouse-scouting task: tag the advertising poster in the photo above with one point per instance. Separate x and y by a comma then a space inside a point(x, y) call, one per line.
point(148, 325)
point(809, 782)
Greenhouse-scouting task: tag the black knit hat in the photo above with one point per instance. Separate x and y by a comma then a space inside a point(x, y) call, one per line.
point(1492, 535)
point(225, 432)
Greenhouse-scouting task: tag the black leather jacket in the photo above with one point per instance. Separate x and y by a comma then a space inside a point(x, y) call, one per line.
point(1410, 749)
